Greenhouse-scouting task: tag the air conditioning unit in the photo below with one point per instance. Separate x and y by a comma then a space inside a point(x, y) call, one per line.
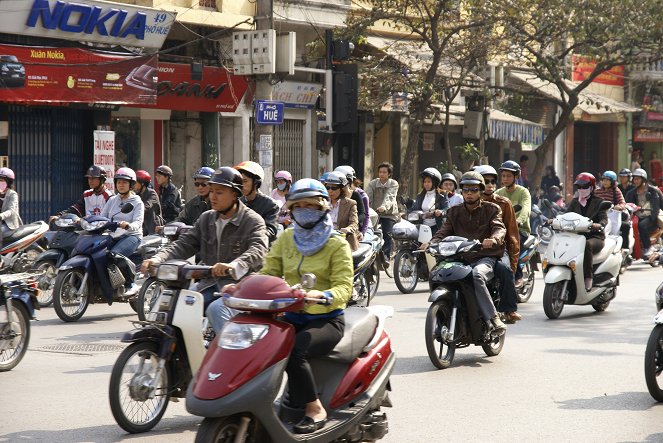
point(472, 124)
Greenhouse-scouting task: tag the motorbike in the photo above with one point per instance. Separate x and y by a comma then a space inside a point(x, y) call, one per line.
point(654, 350)
point(543, 229)
point(453, 319)
point(563, 267)
point(78, 282)
point(655, 238)
point(527, 262)
point(411, 264)
point(17, 307)
point(366, 269)
point(237, 388)
point(21, 246)
point(165, 350)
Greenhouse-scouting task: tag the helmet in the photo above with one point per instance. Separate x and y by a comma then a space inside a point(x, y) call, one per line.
point(610, 175)
point(473, 178)
point(306, 188)
point(349, 171)
point(283, 175)
point(7, 173)
point(95, 171)
point(143, 177)
point(625, 172)
point(252, 169)
point(640, 173)
point(204, 172)
point(485, 170)
point(165, 170)
point(226, 176)
point(585, 178)
point(324, 176)
point(434, 175)
point(125, 173)
point(510, 165)
point(336, 178)
point(449, 176)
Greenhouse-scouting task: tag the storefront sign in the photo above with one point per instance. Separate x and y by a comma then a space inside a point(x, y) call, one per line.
point(269, 112)
point(428, 141)
point(296, 94)
point(648, 135)
point(104, 154)
point(30, 74)
point(584, 66)
point(89, 21)
point(218, 91)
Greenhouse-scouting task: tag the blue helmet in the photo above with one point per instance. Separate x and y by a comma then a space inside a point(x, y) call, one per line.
point(610, 175)
point(510, 165)
point(307, 188)
point(204, 172)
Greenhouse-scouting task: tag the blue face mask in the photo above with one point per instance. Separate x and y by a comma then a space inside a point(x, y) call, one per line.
point(312, 229)
point(281, 186)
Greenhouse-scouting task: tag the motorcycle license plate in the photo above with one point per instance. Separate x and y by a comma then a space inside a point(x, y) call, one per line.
point(658, 319)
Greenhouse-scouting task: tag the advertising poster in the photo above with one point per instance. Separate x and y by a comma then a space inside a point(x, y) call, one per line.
point(104, 154)
point(72, 75)
point(584, 66)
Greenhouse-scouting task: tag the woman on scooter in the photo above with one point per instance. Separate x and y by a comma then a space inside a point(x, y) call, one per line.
point(429, 200)
point(312, 247)
point(343, 209)
point(586, 203)
point(9, 198)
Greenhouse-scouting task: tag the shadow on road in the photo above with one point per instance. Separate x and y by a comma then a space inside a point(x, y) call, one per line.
point(625, 401)
point(421, 364)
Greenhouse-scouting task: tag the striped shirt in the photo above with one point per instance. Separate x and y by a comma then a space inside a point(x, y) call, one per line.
point(612, 194)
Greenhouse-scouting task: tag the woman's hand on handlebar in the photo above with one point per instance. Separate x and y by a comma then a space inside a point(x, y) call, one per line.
point(314, 293)
point(145, 266)
point(596, 227)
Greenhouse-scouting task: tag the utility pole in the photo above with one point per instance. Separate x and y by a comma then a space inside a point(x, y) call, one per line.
point(263, 135)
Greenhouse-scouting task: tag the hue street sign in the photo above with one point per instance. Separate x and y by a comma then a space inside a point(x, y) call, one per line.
point(269, 112)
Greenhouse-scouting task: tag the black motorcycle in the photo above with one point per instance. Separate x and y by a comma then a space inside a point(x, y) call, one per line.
point(366, 269)
point(18, 302)
point(453, 319)
point(654, 351)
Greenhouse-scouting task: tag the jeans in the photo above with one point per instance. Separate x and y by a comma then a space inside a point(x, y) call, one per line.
point(519, 271)
point(482, 272)
point(508, 300)
point(387, 224)
point(126, 246)
point(217, 312)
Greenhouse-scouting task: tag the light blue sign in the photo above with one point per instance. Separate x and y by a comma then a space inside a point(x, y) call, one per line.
point(269, 112)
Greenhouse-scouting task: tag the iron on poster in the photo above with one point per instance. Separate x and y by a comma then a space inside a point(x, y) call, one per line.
point(104, 154)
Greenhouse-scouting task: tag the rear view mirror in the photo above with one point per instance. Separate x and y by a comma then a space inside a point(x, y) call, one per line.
point(127, 208)
point(308, 281)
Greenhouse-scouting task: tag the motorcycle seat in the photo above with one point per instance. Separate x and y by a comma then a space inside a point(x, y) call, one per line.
point(360, 254)
point(360, 326)
point(608, 248)
point(529, 242)
point(150, 241)
point(20, 232)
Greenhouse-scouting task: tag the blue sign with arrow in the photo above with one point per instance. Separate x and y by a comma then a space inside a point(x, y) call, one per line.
point(269, 112)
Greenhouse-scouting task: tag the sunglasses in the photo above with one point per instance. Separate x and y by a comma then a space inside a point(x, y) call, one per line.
point(204, 185)
point(332, 188)
point(491, 181)
point(582, 186)
point(471, 190)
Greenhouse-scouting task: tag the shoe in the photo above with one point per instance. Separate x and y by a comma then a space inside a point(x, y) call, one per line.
point(512, 317)
point(589, 283)
point(308, 426)
point(131, 290)
point(519, 283)
point(498, 325)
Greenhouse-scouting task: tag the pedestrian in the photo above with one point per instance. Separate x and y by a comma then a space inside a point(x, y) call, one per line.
point(523, 178)
point(550, 179)
point(169, 195)
point(382, 193)
point(200, 203)
point(152, 215)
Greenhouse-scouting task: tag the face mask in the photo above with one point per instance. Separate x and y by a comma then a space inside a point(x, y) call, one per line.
point(281, 186)
point(3, 186)
point(307, 218)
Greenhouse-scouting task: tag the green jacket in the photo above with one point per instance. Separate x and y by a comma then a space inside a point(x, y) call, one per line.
point(332, 265)
point(519, 197)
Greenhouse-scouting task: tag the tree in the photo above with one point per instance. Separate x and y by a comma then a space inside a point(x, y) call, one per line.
point(545, 34)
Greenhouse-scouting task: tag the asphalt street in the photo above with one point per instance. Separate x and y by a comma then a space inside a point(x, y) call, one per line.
point(577, 379)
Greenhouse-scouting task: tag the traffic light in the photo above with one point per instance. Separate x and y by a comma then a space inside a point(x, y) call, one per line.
point(346, 86)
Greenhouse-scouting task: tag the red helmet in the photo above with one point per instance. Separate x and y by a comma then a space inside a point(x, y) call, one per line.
point(585, 178)
point(143, 177)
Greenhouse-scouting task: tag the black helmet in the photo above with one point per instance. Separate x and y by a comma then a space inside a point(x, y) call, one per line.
point(450, 177)
point(510, 165)
point(625, 172)
point(473, 178)
point(95, 171)
point(164, 170)
point(226, 176)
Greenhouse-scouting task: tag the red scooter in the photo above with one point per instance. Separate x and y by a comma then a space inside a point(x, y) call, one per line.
point(238, 386)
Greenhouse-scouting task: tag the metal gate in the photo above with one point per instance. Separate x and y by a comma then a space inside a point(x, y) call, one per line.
point(288, 146)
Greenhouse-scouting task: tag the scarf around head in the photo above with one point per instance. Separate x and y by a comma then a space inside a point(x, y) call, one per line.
point(312, 230)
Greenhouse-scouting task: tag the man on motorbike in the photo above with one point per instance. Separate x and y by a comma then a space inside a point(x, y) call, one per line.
point(586, 203)
point(649, 199)
point(503, 271)
point(625, 184)
point(169, 195)
point(231, 237)
point(200, 203)
point(143, 188)
point(265, 206)
point(447, 187)
point(430, 201)
point(95, 198)
point(522, 203)
point(482, 221)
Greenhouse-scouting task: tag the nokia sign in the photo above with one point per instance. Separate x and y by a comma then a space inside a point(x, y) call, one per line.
point(94, 21)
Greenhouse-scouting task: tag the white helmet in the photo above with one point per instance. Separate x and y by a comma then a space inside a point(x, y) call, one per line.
point(349, 171)
point(485, 170)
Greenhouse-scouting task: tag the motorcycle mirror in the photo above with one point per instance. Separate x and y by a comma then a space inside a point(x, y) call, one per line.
point(127, 208)
point(308, 281)
point(517, 208)
point(605, 205)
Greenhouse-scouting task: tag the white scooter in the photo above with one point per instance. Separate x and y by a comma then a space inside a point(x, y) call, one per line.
point(563, 267)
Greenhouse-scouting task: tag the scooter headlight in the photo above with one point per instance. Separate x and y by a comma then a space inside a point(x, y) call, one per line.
point(241, 335)
point(569, 225)
point(92, 226)
point(168, 271)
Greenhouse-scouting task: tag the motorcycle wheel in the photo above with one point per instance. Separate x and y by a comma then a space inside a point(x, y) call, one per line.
point(363, 290)
point(406, 273)
point(440, 354)
point(552, 302)
point(70, 306)
point(495, 347)
point(524, 293)
point(148, 295)
point(16, 336)
point(129, 392)
point(373, 288)
point(654, 363)
point(219, 430)
point(45, 282)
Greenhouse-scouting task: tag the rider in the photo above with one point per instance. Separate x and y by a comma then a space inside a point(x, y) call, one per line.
point(283, 180)
point(505, 268)
point(200, 203)
point(609, 191)
point(312, 247)
point(93, 199)
point(447, 187)
point(143, 188)
point(429, 200)
point(648, 198)
point(230, 237)
point(358, 195)
point(382, 193)
point(343, 210)
point(625, 184)
point(171, 200)
point(586, 203)
point(265, 206)
point(481, 221)
point(9, 215)
point(521, 201)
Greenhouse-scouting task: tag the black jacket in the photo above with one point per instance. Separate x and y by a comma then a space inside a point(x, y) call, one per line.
point(192, 210)
point(654, 196)
point(171, 202)
point(152, 217)
point(441, 202)
point(591, 210)
point(267, 208)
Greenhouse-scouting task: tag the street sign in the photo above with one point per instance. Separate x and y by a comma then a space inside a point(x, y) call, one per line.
point(269, 112)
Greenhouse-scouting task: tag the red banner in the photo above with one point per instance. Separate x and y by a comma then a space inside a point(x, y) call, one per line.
point(218, 91)
point(584, 66)
point(648, 135)
point(70, 75)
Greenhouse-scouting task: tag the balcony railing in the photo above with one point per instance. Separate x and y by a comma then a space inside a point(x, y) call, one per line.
point(647, 71)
